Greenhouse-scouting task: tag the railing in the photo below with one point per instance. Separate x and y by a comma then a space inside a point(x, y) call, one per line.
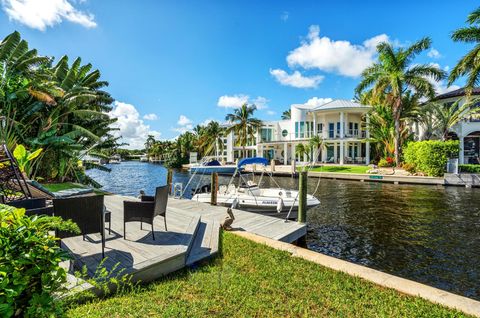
point(350, 133)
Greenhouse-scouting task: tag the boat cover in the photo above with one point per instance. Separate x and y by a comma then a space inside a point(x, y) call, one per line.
point(213, 163)
point(251, 161)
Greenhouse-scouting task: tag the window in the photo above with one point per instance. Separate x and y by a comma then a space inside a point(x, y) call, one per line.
point(284, 133)
point(331, 130)
point(266, 134)
point(319, 128)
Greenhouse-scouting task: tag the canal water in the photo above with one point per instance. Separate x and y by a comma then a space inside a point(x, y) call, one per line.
point(428, 234)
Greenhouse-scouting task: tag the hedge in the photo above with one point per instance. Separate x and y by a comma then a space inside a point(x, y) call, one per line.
point(469, 168)
point(430, 156)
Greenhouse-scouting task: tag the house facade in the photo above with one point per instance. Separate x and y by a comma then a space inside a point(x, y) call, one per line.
point(466, 131)
point(338, 123)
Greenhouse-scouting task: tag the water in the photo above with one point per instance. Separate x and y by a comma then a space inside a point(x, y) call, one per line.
point(426, 233)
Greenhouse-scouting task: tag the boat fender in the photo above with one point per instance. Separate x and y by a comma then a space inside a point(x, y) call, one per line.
point(280, 205)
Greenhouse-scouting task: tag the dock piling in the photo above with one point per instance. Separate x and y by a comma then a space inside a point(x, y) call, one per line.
point(214, 189)
point(169, 180)
point(302, 197)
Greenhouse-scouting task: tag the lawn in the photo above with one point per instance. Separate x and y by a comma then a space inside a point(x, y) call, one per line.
point(54, 187)
point(342, 169)
point(252, 280)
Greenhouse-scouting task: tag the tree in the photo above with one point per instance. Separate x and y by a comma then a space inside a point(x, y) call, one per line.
point(446, 116)
point(393, 75)
point(310, 149)
point(287, 114)
point(469, 64)
point(243, 125)
point(210, 139)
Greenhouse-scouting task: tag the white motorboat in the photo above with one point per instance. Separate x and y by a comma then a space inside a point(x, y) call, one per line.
point(249, 196)
point(210, 165)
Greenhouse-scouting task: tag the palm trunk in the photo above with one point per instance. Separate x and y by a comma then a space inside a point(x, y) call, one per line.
point(397, 141)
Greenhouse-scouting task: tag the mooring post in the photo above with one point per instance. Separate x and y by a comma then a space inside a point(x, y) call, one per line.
point(214, 189)
point(302, 197)
point(169, 180)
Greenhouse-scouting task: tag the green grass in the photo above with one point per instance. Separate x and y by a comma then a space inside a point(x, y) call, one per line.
point(252, 280)
point(54, 187)
point(342, 169)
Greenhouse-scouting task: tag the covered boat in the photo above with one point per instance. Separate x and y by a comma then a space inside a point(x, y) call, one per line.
point(210, 165)
point(247, 195)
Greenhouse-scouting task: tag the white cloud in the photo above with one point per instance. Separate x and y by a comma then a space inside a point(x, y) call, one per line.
point(237, 100)
point(284, 16)
point(261, 102)
point(132, 129)
point(183, 120)
point(441, 87)
point(341, 57)
point(232, 101)
point(150, 116)
point(446, 68)
point(206, 122)
point(271, 112)
point(433, 53)
point(317, 101)
point(296, 79)
point(39, 14)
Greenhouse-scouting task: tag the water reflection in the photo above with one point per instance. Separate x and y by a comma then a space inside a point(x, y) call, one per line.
point(425, 233)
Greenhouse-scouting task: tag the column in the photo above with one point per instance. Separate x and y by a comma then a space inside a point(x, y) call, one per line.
point(342, 151)
point(324, 154)
point(260, 151)
point(335, 153)
point(461, 158)
point(367, 152)
point(314, 124)
point(285, 153)
point(292, 154)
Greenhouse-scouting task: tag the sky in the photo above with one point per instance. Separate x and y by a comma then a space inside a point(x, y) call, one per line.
point(174, 64)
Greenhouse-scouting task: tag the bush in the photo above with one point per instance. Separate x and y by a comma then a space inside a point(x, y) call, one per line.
point(430, 156)
point(409, 167)
point(29, 263)
point(469, 168)
point(386, 162)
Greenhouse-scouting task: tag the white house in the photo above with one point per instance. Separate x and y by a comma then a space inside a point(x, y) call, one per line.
point(338, 123)
point(466, 131)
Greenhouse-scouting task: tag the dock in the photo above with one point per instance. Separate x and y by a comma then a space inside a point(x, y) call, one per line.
point(193, 236)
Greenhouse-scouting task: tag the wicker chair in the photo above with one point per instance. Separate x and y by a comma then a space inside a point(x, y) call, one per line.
point(87, 211)
point(33, 206)
point(146, 210)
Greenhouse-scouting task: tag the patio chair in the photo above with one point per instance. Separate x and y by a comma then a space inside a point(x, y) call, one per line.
point(87, 211)
point(146, 210)
point(36, 206)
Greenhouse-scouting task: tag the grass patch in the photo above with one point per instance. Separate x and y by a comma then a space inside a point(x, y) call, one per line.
point(252, 280)
point(342, 169)
point(54, 187)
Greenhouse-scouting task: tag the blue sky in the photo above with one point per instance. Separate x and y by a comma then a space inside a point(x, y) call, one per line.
point(174, 64)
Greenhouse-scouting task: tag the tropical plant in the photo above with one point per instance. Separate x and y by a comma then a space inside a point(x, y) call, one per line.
point(311, 149)
point(445, 116)
point(24, 158)
point(394, 74)
point(287, 114)
point(30, 271)
point(210, 139)
point(469, 64)
point(244, 125)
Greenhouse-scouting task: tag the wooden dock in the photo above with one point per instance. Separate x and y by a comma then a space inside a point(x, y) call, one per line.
point(193, 236)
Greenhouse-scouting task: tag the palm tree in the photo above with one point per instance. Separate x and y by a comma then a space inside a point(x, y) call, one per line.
point(447, 116)
point(310, 149)
point(287, 114)
point(470, 63)
point(149, 143)
point(210, 139)
point(244, 125)
point(393, 75)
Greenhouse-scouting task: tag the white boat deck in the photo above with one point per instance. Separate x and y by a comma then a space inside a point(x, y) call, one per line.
point(193, 236)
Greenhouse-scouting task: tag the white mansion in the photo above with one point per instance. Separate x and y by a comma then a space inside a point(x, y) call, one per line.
point(338, 123)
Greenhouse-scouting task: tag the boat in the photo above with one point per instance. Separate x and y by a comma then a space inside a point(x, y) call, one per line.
point(144, 158)
point(115, 159)
point(210, 165)
point(249, 196)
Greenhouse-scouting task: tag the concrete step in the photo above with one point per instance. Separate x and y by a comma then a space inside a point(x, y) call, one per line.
point(206, 242)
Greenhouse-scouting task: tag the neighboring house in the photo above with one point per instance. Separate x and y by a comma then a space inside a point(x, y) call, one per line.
point(338, 123)
point(467, 131)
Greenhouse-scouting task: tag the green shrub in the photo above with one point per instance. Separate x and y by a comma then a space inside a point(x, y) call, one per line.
point(29, 263)
point(386, 162)
point(430, 156)
point(409, 167)
point(469, 168)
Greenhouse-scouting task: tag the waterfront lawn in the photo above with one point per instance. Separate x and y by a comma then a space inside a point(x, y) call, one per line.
point(252, 280)
point(342, 169)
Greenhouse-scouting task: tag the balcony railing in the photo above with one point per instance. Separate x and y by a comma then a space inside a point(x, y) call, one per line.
point(349, 134)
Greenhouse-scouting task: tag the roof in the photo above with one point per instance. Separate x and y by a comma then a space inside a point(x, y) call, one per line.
point(340, 103)
point(457, 93)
